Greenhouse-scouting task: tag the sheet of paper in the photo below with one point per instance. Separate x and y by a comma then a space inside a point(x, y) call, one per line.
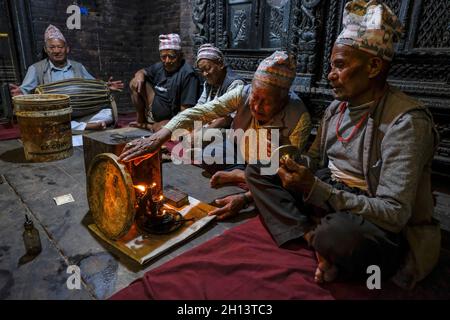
point(64, 199)
point(77, 140)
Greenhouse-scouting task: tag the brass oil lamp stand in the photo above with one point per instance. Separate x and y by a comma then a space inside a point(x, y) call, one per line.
point(152, 216)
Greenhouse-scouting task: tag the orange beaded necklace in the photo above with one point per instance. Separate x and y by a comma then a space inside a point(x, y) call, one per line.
point(342, 108)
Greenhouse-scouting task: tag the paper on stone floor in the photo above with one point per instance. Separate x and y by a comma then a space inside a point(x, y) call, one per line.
point(77, 140)
point(64, 199)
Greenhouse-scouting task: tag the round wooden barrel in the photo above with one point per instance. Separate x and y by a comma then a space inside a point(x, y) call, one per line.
point(111, 195)
point(44, 122)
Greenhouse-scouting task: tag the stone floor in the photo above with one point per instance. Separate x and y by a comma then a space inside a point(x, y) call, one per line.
point(29, 188)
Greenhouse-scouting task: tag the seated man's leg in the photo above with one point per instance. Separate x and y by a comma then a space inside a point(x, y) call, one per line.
point(141, 101)
point(232, 171)
point(352, 243)
point(225, 177)
point(100, 120)
point(227, 170)
point(280, 210)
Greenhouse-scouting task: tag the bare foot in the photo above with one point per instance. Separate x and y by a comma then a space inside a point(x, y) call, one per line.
point(96, 125)
point(221, 178)
point(325, 272)
point(307, 236)
point(140, 125)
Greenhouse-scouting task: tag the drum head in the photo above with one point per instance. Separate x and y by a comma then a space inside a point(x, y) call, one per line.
point(111, 195)
point(86, 96)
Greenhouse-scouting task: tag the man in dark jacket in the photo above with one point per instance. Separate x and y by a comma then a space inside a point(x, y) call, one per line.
point(165, 88)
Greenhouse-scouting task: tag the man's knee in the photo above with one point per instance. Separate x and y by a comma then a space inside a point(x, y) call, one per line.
point(337, 234)
point(351, 242)
point(252, 173)
point(132, 87)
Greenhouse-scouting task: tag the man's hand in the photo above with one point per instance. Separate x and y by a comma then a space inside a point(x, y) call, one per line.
point(295, 177)
point(115, 85)
point(141, 149)
point(15, 90)
point(138, 81)
point(231, 206)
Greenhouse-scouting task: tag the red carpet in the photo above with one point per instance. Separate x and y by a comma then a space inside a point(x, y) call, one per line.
point(243, 263)
point(9, 131)
point(125, 119)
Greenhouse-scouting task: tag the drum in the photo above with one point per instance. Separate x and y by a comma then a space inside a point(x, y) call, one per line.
point(86, 96)
point(111, 195)
point(113, 188)
point(44, 122)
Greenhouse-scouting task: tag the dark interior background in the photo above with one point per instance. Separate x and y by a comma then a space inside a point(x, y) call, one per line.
point(119, 37)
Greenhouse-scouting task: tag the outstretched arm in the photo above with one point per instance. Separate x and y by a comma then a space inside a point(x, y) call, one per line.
point(115, 85)
point(141, 149)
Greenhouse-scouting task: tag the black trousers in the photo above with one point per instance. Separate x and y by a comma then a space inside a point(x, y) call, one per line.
point(347, 240)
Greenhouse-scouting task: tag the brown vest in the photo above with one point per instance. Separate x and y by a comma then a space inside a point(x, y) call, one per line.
point(421, 232)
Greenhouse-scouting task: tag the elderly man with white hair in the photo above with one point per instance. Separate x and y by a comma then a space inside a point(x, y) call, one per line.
point(219, 77)
point(266, 102)
point(362, 197)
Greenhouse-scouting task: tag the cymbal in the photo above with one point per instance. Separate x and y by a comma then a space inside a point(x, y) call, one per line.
point(286, 152)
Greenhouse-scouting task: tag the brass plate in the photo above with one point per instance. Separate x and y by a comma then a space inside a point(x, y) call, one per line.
point(287, 151)
point(111, 195)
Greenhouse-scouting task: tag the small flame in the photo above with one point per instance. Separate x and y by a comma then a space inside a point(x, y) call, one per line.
point(140, 188)
point(164, 211)
point(161, 197)
point(153, 184)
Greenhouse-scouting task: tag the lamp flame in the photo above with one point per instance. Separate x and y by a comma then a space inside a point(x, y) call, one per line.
point(140, 188)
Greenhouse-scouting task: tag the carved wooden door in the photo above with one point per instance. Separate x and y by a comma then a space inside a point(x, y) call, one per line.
point(256, 24)
point(249, 30)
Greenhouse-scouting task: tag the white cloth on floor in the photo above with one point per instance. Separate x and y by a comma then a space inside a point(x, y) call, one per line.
point(75, 125)
point(102, 115)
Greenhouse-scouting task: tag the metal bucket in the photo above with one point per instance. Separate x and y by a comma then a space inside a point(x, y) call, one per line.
point(44, 122)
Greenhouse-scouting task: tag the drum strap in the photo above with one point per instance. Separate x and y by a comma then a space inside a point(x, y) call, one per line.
point(115, 113)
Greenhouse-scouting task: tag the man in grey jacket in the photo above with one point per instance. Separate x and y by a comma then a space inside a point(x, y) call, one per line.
point(58, 67)
point(363, 196)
